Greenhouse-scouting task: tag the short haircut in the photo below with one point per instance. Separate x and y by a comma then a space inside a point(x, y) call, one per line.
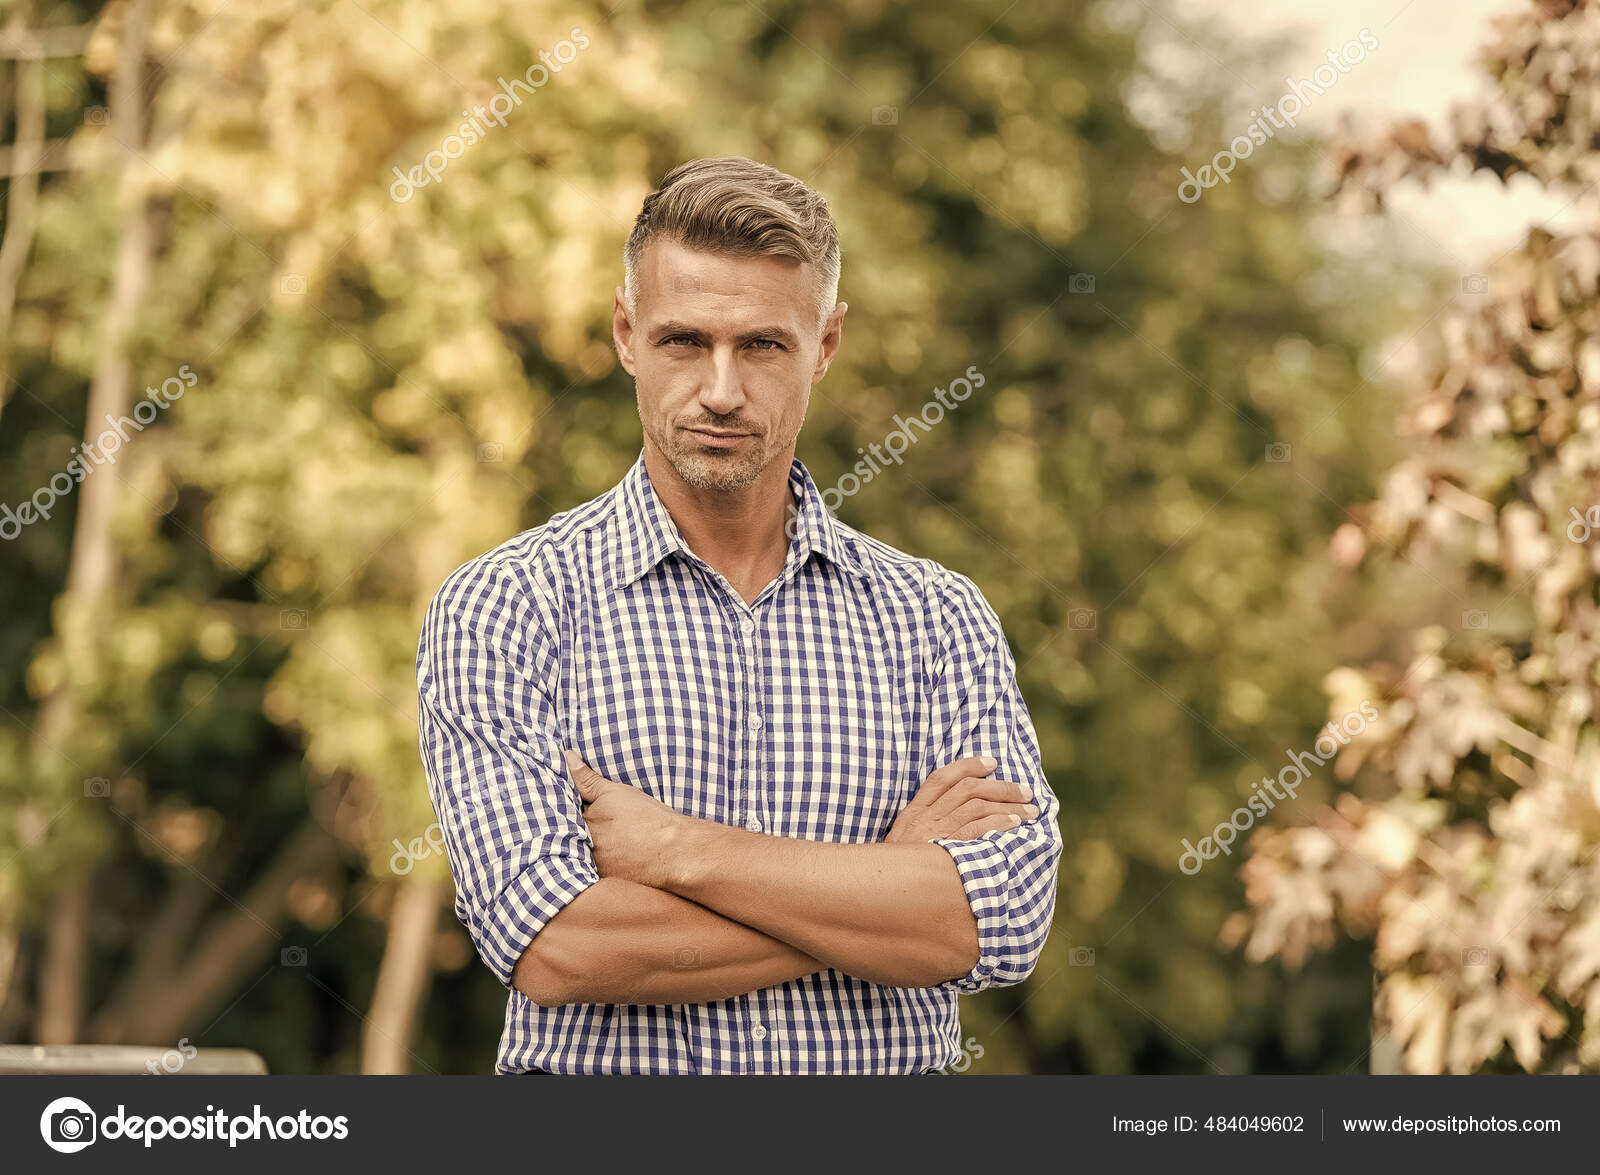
point(742, 208)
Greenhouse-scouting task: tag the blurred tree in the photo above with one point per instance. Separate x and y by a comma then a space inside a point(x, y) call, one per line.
point(1467, 852)
point(394, 369)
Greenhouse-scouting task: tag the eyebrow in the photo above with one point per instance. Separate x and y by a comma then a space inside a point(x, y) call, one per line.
point(781, 333)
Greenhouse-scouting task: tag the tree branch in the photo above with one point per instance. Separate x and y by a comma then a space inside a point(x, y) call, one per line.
point(232, 944)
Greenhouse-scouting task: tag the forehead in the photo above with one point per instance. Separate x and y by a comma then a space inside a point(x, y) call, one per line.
point(718, 288)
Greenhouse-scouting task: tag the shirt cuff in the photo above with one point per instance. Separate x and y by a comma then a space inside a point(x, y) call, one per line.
point(986, 877)
point(539, 893)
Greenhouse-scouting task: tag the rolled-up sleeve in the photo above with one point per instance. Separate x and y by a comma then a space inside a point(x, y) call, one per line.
point(1009, 876)
point(487, 666)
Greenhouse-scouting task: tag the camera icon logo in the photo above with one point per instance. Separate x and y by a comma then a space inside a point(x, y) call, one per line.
point(885, 116)
point(292, 956)
point(1080, 957)
point(67, 1125)
point(1278, 452)
point(1080, 283)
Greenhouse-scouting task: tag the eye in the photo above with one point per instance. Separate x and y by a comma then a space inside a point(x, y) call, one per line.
point(676, 340)
point(767, 345)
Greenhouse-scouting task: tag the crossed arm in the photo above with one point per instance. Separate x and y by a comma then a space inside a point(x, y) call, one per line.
point(688, 911)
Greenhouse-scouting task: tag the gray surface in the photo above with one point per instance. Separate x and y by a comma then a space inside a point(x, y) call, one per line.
point(109, 1058)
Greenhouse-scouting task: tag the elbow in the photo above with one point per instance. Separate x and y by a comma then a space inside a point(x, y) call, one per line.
point(960, 956)
point(943, 960)
point(543, 981)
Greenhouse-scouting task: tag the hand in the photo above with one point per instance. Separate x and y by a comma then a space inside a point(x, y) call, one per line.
point(961, 802)
point(634, 834)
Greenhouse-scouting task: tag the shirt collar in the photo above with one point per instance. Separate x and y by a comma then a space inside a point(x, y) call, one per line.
point(646, 533)
point(817, 530)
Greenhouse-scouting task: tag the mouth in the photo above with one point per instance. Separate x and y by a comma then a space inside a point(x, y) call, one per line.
point(718, 438)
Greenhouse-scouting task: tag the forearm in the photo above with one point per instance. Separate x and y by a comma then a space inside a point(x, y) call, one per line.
point(623, 943)
point(894, 914)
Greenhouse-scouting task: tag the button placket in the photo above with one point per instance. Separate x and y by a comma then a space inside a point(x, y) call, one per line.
point(772, 1020)
point(760, 1036)
point(754, 721)
point(738, 777)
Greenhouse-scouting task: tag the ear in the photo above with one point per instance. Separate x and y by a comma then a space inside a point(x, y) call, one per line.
point(832, 336)
point(622, 331)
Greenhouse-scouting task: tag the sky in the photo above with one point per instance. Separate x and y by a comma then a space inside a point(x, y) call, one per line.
point(1423, 64)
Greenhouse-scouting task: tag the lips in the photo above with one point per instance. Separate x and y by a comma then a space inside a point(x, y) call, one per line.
point(717, 439)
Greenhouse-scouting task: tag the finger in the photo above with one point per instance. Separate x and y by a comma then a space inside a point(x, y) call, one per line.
point(999, 790)
point(586, 779)
point(979, 809)
point(988, 824)
point(942, 780)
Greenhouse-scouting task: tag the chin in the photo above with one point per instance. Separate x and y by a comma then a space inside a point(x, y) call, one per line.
point(718, 471)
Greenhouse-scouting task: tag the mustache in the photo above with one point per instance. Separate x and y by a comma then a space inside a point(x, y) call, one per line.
point(725, 424)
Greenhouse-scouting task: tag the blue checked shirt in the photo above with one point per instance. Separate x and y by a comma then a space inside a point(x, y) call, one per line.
point(815, 712)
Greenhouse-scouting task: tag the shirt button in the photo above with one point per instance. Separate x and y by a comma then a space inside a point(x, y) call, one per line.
point(747, 625)
point(755, 721)
point(759, 1032)
point(753, 824)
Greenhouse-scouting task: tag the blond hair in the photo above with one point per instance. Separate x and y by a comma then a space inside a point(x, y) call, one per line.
point(739, 207)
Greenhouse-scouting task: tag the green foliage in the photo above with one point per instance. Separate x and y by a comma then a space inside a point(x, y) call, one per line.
point(386, 389)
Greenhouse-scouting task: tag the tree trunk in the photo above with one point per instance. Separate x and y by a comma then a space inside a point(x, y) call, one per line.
point(403, 976)
point(29, 106)
point(93, 562)
point(64, 970)
point(14, 973)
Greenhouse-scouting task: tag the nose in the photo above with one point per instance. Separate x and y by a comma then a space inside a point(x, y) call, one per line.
point(722, 390)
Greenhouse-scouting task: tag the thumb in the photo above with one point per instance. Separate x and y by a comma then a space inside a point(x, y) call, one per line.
point(585, 778)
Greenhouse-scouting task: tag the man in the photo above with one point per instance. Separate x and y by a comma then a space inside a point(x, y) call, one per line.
point(728, 786)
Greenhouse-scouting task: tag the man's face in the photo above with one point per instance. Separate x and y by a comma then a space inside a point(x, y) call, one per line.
point(723, 351)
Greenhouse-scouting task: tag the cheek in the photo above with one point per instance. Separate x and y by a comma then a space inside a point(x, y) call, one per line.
point(779, 383)
point(661, 385)
point(787, 411)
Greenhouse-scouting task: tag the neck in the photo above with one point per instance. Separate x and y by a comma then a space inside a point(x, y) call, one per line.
point(740, 533)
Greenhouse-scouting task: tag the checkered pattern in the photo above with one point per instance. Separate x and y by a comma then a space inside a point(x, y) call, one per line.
point(814, 713)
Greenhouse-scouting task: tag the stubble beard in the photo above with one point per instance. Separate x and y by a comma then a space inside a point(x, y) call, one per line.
point(710, 470)
point(724, 473)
